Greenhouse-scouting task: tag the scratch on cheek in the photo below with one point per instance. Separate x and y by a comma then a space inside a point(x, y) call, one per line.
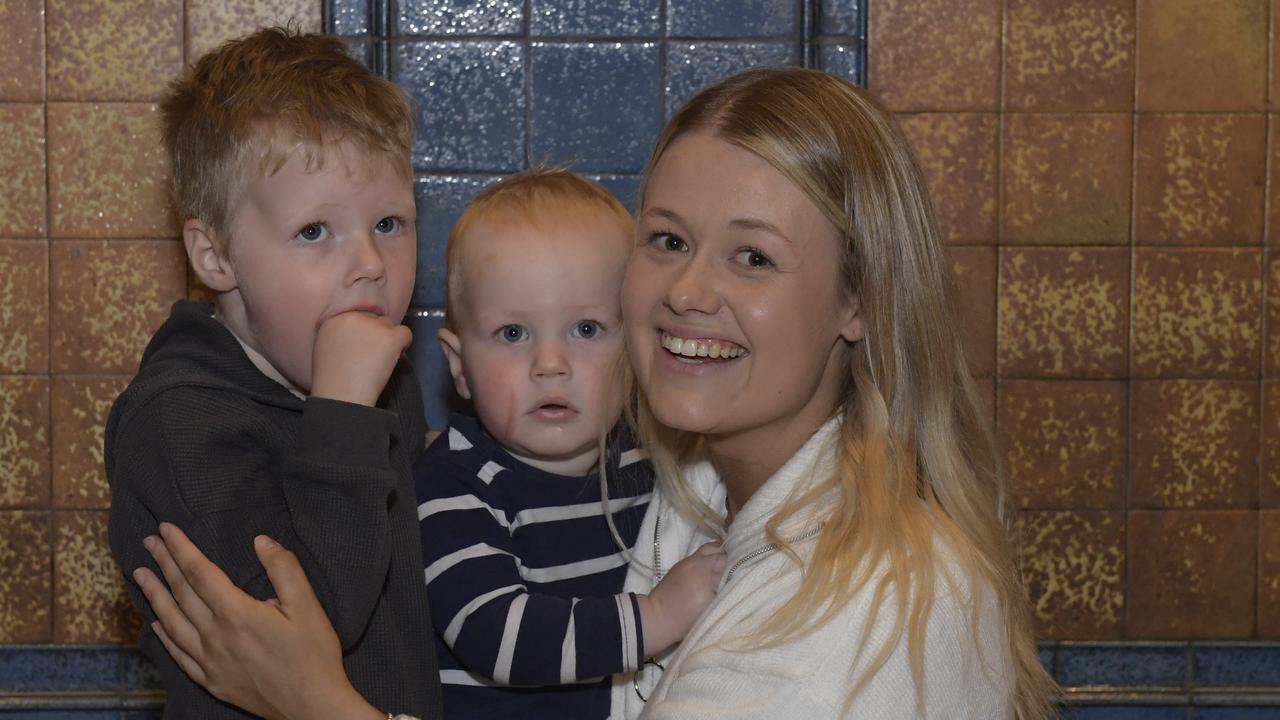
point(509, 417)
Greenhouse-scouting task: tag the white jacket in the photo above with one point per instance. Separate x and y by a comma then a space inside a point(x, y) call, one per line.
point(709, 676)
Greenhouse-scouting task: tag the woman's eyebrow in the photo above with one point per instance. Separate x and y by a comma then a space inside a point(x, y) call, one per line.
point(761, 225)
point(663, 213)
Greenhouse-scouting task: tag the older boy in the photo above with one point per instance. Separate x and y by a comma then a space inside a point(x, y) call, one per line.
point(524, 569)
point(286, 409)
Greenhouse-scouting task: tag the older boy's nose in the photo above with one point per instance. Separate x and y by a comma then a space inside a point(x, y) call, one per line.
point(550, 360)
point(367, 262)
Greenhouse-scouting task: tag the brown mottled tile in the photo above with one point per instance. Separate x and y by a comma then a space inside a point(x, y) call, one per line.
point(1199, 179)
point(1066, 179)
point(108, 298)
point(212, 22)
point(1197, 312)
point(1063, 312)
point(936, 54)
point(80, 407)
point(1269, 574)
point(974, 269)
point(1064, 443)
point(1072, 55)
point(957, 153)
point(90, 604)
point(1192, 574)
point(24, 441)
point(1195, 444)
point(24, 306)
point(1202, 56)
point(1271, 349)
point(1269, 490)
point(118, 50)
point(108, 175)
point(25, 595)
point(1273, 178)
point(22, 50)
point(22, 170)
point(1073, 565)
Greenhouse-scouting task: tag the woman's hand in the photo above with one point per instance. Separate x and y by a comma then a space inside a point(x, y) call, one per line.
point(278, 658)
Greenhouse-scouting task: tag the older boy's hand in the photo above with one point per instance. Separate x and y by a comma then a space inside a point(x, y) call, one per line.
point(354, 355)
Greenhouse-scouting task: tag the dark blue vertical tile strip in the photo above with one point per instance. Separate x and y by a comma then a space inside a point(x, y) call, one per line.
point(467, 97)
point(441, 199)
point(592, 18)
point(432, 369)
point(595, 105)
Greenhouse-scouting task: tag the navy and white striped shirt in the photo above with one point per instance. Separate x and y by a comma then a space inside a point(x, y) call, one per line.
point(525, 579)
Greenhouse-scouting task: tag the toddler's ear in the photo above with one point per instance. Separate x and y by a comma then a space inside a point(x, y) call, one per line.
point(207, 259)
point(453, 352)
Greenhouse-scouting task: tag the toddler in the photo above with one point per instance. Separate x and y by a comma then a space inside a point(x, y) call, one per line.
point(523, 567)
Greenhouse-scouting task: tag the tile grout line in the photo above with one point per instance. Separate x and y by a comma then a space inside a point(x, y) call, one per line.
point(1129, 380)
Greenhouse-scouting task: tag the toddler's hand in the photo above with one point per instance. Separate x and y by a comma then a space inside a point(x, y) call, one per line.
point(670, 610)
point(354, 355)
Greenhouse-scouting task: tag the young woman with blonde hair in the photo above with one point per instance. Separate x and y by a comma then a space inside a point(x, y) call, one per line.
point(803, 393)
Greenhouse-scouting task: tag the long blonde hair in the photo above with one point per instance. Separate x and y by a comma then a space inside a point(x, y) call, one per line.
point(917, 462)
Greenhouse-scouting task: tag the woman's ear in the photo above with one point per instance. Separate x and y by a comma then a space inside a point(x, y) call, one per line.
point(851, 328)
point(208, 259)
point(452, 347)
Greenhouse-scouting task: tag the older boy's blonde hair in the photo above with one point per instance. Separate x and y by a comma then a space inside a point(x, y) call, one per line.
point(244, 107)
point(527, 196)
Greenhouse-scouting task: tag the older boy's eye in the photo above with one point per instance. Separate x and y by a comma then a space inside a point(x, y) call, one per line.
point(312, 232)
point(587, 329)
point(387, 225)
point(512, 333)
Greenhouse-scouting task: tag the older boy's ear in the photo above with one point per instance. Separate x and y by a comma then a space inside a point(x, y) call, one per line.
point(453, 353)
point(851, 328)
point(207, 259)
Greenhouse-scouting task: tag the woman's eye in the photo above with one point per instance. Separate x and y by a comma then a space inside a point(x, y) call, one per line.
point(387, 225)
point(668, 242)
point(753, 258)
point(587, 329)
point(512, 333)
point(312, 232)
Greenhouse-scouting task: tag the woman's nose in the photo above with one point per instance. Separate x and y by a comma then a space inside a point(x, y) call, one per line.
point(693, 289)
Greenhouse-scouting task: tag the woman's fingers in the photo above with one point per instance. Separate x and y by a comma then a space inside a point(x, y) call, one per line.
point(180, 631)
point(287, 576)
point(184, 660)
point(189, 604)
point(203, 588)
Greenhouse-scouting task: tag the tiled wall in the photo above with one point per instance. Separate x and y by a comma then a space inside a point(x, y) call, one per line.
point(1104, 174)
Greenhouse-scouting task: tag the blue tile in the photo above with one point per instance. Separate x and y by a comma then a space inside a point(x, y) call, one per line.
point(1237, 665)
point(460, 17)
point(1258, 712)
point(60, 715)
point(1122, 666)
point(595, 105)
point(1047, 656)
point(350, 17)
point(691, 66)
point(731, 18)
point(156, 714)
point(54, 669)
point(432, 369)
point(841, 18)
point(844, 61)
point(625, 188)
point(362, 51)
point(441, 200)
point(469, 101)
point(1124, 712)
point(137, 672)
point(617, 18)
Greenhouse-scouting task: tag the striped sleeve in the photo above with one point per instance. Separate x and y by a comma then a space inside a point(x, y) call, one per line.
point(481, 601)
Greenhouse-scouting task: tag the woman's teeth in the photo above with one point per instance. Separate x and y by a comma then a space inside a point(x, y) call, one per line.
point(713, 349)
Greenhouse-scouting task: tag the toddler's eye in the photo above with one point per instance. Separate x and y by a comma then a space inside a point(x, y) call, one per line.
point(512, 333)
point(753, 258)
point(312, 232)
point(587, 329)
point(387, 225)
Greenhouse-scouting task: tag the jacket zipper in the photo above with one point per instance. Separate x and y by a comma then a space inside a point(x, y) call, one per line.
point(771, 547)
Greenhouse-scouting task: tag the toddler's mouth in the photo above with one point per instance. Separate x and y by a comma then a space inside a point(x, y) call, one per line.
point(553, 409)
point(701, 349)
